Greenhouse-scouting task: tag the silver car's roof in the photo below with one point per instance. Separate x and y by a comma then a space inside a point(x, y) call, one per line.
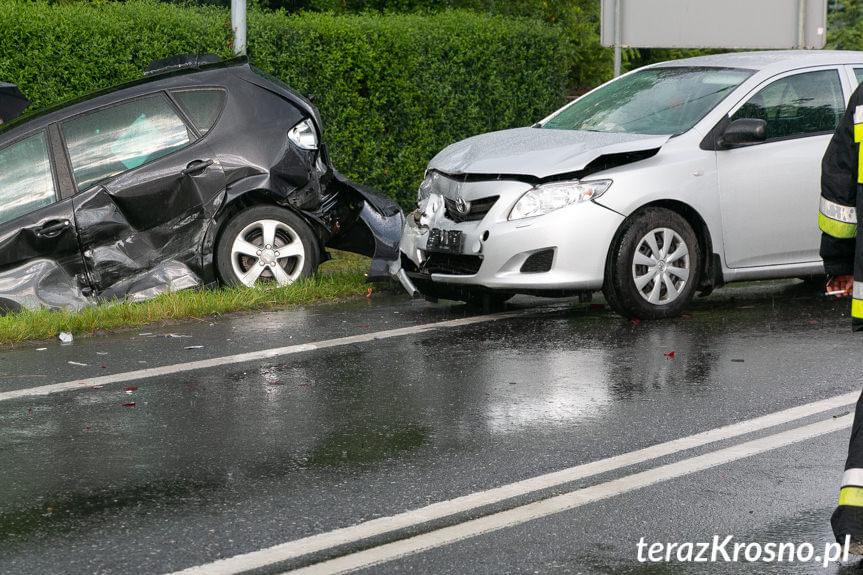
point(774, 60)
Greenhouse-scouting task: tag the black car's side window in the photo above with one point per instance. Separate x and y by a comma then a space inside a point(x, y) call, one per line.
point(799, 105)
point(112, 140)
point(26, 179)
point(202, 106)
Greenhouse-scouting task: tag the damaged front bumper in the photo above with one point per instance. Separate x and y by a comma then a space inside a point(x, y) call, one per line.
point(445, 252)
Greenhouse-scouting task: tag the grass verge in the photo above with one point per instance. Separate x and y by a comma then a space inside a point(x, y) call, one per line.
point(341, 278)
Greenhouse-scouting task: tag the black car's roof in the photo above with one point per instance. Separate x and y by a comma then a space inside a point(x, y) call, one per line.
point(209, 74)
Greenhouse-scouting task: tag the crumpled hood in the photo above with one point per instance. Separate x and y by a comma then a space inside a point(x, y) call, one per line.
point(536, 152)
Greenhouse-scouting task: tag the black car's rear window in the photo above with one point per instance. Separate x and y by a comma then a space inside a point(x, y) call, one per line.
point(202, 106)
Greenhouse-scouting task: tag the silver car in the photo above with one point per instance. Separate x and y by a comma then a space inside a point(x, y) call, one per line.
point(675, 178)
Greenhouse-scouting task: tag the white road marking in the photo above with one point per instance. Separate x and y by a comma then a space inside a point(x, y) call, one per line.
point(568, 501)
point(383, 525)
point(254, 355)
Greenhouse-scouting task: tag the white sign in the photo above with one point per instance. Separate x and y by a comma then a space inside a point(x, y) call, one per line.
point(747, 24)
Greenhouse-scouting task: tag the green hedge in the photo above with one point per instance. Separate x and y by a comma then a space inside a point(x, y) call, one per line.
point(393, 90)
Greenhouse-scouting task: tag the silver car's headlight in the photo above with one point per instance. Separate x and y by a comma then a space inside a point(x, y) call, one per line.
point(304, 135)
point(425, 188)
point(549, 197)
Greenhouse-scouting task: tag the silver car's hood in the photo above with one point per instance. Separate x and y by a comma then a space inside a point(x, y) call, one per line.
point(536, 152)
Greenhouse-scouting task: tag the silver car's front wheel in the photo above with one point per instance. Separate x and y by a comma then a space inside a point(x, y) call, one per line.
point(653, 267)
point(266, 244)
point(660, 266)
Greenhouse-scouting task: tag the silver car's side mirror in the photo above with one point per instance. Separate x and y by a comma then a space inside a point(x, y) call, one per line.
point(742, 132)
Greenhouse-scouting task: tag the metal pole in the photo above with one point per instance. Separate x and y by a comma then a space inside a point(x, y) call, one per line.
point(238, 24)
point(801, 23)
point(617, 55)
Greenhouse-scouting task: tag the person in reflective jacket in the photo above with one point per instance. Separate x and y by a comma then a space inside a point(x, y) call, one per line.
point(841, 179)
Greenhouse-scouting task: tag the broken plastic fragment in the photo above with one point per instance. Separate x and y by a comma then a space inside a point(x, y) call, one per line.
point(41, 349)
point(669, 354)
point(77, 363)
point(369, 325)
point(636, 321)
point(130, 404)
point(194, 347)
point(66, 337)
point(131, 388)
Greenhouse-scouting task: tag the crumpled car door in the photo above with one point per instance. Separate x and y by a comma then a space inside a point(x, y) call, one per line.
point(40, 263)
point(141, 229)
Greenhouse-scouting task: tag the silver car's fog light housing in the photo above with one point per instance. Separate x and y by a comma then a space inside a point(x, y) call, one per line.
point(547, 198)
point(304, 136)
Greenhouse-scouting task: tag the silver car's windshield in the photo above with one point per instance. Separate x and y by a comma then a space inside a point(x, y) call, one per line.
point(655, 101)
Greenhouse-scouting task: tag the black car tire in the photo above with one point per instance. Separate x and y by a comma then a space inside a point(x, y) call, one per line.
point(653, 268)
point(245, 257)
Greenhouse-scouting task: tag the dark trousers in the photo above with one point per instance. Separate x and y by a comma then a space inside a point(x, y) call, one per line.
point(848, 517)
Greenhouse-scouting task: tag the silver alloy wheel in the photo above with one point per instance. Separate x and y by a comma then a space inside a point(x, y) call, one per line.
point(661, 266)
point(268, 250)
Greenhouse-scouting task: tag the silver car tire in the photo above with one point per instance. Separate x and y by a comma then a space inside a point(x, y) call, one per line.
point(266, 245)
point(654, 266)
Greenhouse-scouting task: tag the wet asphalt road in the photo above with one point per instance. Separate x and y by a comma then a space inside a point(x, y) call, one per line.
point(215, 462)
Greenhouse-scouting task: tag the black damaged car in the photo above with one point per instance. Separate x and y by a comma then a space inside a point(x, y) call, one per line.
point(194, 174)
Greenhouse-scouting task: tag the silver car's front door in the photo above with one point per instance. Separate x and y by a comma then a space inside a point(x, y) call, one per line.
point(769, 192)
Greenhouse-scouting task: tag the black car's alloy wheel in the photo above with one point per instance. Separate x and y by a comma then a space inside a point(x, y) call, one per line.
point(653, 267)
point(266, 244)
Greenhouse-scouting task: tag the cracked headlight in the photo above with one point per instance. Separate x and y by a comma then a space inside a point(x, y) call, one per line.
point(425, 188)
point(549, 197)
point(304, 136)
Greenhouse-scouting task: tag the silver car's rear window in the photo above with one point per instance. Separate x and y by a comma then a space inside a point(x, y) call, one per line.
point(653, 101)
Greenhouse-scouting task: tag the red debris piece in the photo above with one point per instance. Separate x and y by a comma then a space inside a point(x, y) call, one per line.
point(87, 428)
point(488, 394)
point(686, 315)
point(81, 383)
point(96, 387)
point(361, 326)
point(104, 367)
point(130, 404)
point(131, 388)
point(813, 322)
point(512, 383)
point(669, 354)
point(636, 321)
point(30, 411)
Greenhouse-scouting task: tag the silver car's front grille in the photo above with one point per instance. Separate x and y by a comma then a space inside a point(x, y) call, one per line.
point(468, 211)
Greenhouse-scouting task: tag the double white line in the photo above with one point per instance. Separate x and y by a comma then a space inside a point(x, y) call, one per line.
point(543, 508)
